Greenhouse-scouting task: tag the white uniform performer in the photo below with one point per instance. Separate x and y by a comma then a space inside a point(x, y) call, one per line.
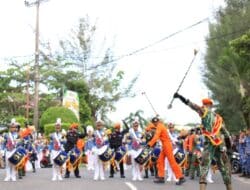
point(89, 145)
point(135, 149)
point(100, 140)
point(173, 136)
point(9, 147)
point(56, 147)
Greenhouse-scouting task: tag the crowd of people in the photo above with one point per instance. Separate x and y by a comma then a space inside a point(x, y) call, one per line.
point(241, 145)
point(157, 149)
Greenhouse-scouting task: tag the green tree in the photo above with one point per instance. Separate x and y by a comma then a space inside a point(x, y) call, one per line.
point(78, 55)
point(12, 92)
point(241, 46)
point(222, 73)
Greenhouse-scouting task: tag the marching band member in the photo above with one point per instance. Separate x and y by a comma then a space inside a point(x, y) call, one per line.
point(181, 146)
point(214, 146)
point(10, 143)
point(72, 138)
point(100, 140)
point(115, 142)
point(135, 146)
point(161, 134)
point(56, 145)
point(27, 143)
point(89, 145)
point(38, 146)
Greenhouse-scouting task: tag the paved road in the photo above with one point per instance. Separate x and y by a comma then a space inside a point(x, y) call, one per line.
point(41, 180)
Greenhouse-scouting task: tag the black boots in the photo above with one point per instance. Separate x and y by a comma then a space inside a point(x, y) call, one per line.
point(146, 173)
point(33, 167)
point(159, 180)
point(112, 175)
point(181, 181)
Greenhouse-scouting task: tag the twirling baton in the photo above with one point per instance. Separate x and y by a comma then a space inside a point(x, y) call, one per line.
point(195, 53)
point(144, 93)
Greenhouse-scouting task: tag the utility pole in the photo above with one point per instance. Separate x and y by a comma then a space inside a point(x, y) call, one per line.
point(27, 93)
point(36, 66)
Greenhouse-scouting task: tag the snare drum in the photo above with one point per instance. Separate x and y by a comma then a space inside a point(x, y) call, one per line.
point(155, 154)
point(60, 158)
point(74, 155)
point(17, 156)
point(179, 156)
point(120, 153)
point(105, 153)
point(143, 155)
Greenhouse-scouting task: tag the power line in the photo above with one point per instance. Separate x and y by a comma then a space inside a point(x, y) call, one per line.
point(241, 31)
point(152, 44)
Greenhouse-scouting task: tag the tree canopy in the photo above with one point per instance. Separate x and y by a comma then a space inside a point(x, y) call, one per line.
point(226, 70)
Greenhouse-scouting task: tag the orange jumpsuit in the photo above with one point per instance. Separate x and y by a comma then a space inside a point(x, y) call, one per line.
point(167, 151)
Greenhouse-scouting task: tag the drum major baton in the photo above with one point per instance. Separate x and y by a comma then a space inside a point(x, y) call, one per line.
point(171, 102)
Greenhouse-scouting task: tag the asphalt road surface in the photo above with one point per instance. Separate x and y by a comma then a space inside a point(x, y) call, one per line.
point(41, 180)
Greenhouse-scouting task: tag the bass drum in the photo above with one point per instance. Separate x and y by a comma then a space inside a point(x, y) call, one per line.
point(17, 156)
point(60, 158)
point(120, 153)
point(144, 155)
point(179, 155)
point(105, 153)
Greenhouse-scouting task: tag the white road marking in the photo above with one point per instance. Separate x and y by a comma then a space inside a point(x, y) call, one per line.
point(131, 186)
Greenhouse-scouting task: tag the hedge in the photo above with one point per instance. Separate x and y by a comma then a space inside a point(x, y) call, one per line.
point(51, 114)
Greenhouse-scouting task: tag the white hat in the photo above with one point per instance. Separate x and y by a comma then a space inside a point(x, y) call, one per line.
point(13, 121)
point(136, 120)
point(58, 121)
point(100, 121)
point(39, 135)
point(89, 128)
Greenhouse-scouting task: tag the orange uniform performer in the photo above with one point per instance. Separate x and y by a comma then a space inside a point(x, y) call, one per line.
point(167, 151)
